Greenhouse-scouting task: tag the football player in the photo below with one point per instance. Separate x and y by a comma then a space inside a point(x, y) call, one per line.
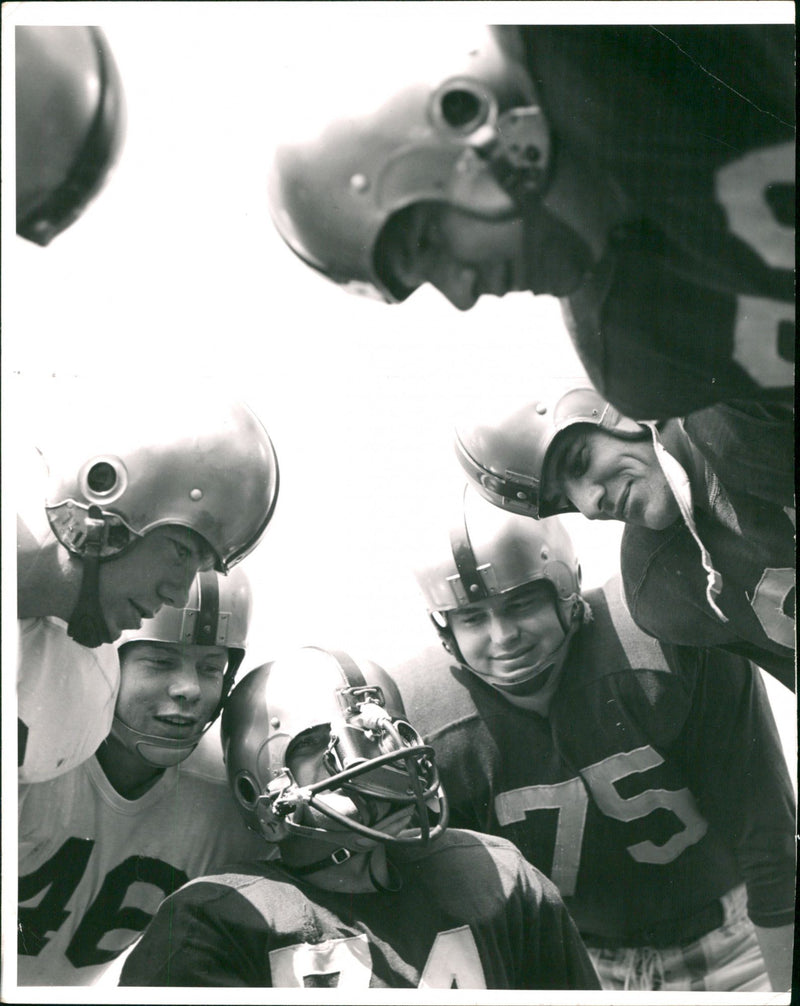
point(102, 845)
point(369, 890)
point(708, 551)
point(647, 781)
point(135, 498)
point(70, 124)
point(643, 174)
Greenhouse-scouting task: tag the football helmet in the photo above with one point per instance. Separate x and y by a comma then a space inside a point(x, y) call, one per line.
point(217, 613)
point(373, 756)
point(204, 464)
point(443, 116)
point(506, 460)
point(489, 553)
point(70, 124)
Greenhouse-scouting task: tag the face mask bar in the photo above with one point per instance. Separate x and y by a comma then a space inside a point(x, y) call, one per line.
point(349, 757)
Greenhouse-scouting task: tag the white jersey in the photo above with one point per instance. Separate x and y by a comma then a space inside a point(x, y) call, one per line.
point(94, 867)
point(66, 695)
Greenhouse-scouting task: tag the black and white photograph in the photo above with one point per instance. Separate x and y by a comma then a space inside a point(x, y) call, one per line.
point(398, 415)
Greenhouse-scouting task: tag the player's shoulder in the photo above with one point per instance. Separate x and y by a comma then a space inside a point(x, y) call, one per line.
point(260, 887)
point(435, 691)
point(611, 642)
point(44, 639)
point(481, 857)
point(749, 445)
point(621, 674)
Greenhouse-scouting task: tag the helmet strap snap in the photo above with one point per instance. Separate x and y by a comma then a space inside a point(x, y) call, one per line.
point(335, 858)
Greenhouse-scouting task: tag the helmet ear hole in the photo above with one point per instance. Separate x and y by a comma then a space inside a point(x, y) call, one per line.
point(103, 479)
point(246, 791)
point(462, 109)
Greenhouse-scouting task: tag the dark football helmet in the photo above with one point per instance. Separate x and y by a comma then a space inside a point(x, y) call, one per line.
point(70, 124)
point(373, 755)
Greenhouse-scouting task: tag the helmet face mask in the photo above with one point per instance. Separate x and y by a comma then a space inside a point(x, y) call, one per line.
point(368, 773)
point(216, 614)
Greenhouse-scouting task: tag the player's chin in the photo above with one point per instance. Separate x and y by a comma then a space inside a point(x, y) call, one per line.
point(658, 515)
point(526, 681)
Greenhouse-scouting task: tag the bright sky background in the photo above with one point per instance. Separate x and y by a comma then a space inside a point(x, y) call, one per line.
point(176, 274)
point(176, 271)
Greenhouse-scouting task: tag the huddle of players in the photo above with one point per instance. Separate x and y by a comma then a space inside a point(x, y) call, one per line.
point(655, 795)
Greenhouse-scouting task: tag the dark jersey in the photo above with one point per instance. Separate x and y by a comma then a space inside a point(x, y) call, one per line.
point(693, 302)
point(470, 913)
point(746, 520)
point(655, 785)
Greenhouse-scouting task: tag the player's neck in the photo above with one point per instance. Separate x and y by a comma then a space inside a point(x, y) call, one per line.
point(364, 872)
point(130, 776)
point(48, 577)
point(593, 218)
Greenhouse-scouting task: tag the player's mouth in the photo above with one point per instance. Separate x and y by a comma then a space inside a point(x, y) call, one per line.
point(621, 507)
point(510, 666)
point(178, 724)
point(141, 614)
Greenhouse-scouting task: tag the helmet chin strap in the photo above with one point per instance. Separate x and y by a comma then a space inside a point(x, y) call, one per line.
point(87, 624)
point(158, 751)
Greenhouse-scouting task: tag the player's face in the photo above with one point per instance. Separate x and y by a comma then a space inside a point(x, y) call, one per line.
point(466, 256)
point(507, 640)
point(608, 478)
point(170, 689)
point(157, 570)
point(306, 763)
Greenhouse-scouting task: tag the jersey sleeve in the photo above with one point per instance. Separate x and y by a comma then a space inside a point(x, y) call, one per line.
point(202, 936)
point(665, 589)
point(750, 448)
point(66, 695)
point(555, 945)
point(693, 302)
point(732, 753)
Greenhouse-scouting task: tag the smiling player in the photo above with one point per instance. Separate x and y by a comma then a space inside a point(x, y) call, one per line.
point(102, 845)
point(647, 781)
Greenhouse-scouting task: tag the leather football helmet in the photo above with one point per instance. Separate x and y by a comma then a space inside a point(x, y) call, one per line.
point(70, 124)
point(489, 553)
point(443, 116)
point(217, 613)
point(374, 756)
point(506, 460)
point(204, 464)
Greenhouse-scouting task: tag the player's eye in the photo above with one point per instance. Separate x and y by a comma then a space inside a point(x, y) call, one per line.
point(162, 663)
point(578, 461)
point(212, 670)
point(181, 550)
point(470, 618)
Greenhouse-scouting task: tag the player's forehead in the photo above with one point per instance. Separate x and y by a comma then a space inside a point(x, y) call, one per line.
point(192, 652)
point(534, 591)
